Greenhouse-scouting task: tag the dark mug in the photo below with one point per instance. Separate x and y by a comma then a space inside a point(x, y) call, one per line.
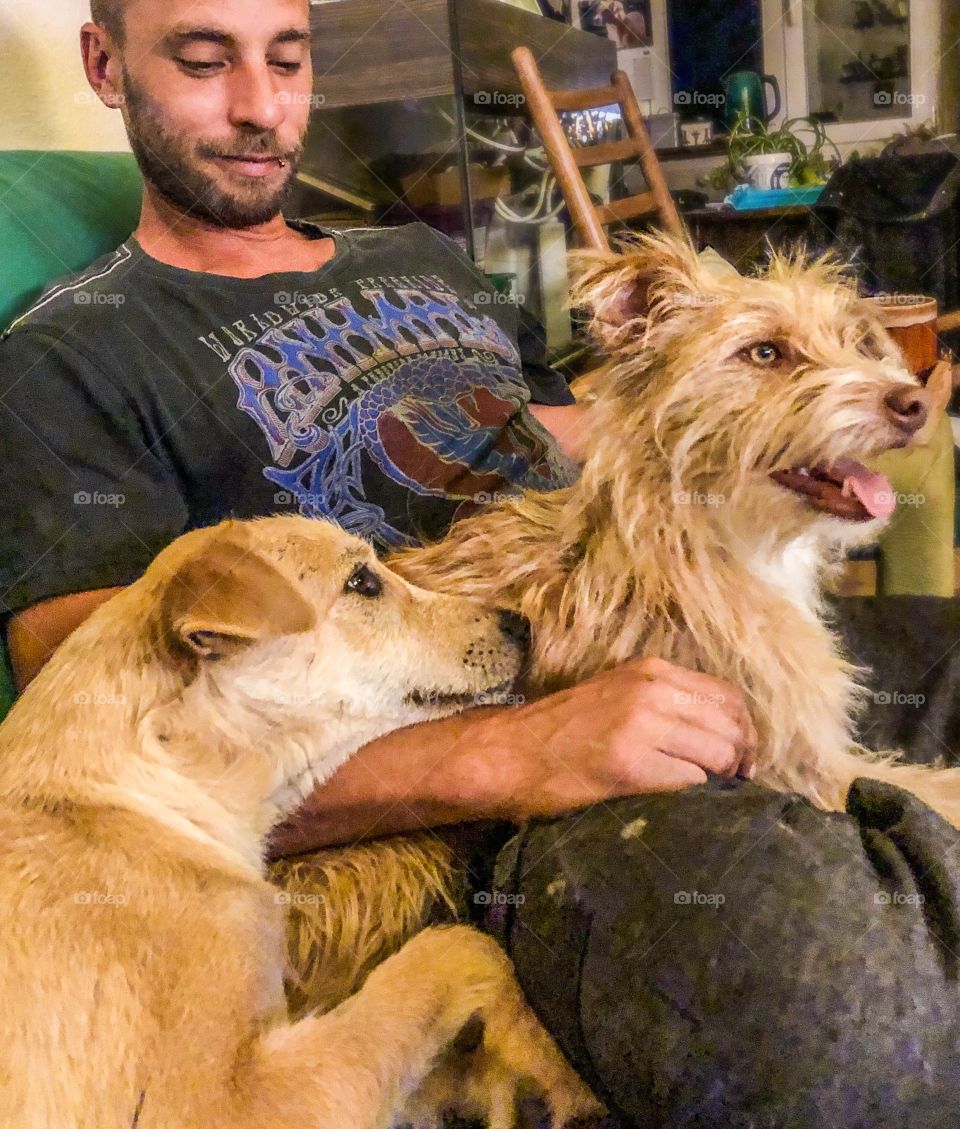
point(745, 98)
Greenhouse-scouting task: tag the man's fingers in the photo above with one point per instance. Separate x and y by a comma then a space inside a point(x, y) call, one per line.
point(714, 739)
point(663, 773)
point(704, 691)
point(682, 739)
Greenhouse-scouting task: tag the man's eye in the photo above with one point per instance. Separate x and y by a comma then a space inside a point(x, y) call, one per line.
point(287, 67)
point(199, 66)
point(763, 353)
point(364, 582)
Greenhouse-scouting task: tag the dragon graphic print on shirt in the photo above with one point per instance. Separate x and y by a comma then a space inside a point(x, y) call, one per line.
point(406, 391)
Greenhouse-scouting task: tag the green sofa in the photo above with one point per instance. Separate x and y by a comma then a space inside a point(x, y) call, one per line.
point(61, 210)
point(58, 212)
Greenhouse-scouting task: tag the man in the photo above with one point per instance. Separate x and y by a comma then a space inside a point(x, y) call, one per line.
point(256, 365)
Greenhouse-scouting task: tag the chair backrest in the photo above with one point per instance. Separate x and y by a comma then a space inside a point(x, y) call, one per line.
point(566, 161)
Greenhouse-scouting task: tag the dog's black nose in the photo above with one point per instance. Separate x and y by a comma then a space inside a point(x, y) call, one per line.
point(906, 407)
point(515, 627)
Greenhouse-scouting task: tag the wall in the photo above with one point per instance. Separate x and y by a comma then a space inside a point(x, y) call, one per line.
point(44, 94)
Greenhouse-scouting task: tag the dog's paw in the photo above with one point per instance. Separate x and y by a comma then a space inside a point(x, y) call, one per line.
point(502, 1068)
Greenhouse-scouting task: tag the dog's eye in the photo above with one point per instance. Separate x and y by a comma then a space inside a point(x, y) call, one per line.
point(871, 346)
point(364, 582)
point(763, 353)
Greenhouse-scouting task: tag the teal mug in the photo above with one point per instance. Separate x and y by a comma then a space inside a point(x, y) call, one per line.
point(745, 98)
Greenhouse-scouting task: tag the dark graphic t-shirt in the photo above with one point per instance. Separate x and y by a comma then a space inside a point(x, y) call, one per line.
point(386, 391)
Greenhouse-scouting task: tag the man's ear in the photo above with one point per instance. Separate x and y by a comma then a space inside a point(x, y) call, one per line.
point(624, 291)
point(226, 597)
point(101, 64)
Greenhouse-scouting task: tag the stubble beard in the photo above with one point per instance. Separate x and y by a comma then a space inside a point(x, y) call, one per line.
point(171, 165)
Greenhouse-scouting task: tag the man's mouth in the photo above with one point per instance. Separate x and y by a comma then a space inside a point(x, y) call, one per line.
point(249, 165)
point(845, 489)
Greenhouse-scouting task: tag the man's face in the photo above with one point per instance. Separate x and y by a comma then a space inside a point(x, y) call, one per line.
point(216, 95)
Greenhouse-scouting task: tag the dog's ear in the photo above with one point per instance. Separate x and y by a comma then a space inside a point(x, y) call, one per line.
point(227, 596)
point(647, 278)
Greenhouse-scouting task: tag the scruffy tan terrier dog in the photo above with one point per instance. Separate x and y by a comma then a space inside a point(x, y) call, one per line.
point(724, 480)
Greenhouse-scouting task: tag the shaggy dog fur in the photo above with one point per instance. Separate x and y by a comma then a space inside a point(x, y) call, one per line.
point(690, 534)
point(141, 963)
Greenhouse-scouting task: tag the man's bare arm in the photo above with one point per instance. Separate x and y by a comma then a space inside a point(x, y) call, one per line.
point(565, 424)
point(645, 726)
point(630, 730)
point(36, 632)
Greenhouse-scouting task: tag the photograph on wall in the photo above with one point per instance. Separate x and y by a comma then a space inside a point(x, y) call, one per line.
point(626, 22)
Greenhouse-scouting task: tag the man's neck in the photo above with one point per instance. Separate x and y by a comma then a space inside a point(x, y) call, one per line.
point(185, 241)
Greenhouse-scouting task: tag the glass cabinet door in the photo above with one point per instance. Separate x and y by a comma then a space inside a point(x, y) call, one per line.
point(867, 68)
point(858, 59)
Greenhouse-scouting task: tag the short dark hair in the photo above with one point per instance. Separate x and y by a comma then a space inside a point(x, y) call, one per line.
point(108, 14)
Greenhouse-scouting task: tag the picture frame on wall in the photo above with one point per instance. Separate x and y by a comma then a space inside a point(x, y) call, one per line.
point(557, 9)
point(627, 22)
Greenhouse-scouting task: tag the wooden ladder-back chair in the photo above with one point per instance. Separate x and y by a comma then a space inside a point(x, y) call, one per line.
point(566, 161)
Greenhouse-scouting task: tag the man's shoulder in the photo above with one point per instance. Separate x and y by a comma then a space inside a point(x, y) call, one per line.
point(89, 298)
point(414, 243)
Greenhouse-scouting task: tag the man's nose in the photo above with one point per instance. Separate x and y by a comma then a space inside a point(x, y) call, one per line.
point(254, 101)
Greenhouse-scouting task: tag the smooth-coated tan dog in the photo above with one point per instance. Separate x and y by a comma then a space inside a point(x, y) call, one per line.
point(724, 480)
point(142, 950)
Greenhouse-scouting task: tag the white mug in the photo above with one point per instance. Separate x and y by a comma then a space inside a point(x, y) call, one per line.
point(767, 170)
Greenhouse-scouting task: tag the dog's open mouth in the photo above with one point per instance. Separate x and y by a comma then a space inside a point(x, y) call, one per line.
point(846, 489)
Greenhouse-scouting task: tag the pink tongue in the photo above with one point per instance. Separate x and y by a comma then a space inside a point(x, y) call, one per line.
point(873, 490)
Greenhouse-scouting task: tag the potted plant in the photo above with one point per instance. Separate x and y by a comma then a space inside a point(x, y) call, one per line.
point(799, 148)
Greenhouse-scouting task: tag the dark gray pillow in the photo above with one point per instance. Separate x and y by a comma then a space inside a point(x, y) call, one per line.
point(731, 957)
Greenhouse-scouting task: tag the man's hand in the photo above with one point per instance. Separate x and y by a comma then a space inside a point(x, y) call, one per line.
point(646, 726)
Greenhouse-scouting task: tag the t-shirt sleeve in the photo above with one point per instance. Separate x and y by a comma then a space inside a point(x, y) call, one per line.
point(547, 386)
point(86, 501)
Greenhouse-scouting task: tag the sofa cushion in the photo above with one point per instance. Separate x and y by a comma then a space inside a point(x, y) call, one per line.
point(58, 212)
